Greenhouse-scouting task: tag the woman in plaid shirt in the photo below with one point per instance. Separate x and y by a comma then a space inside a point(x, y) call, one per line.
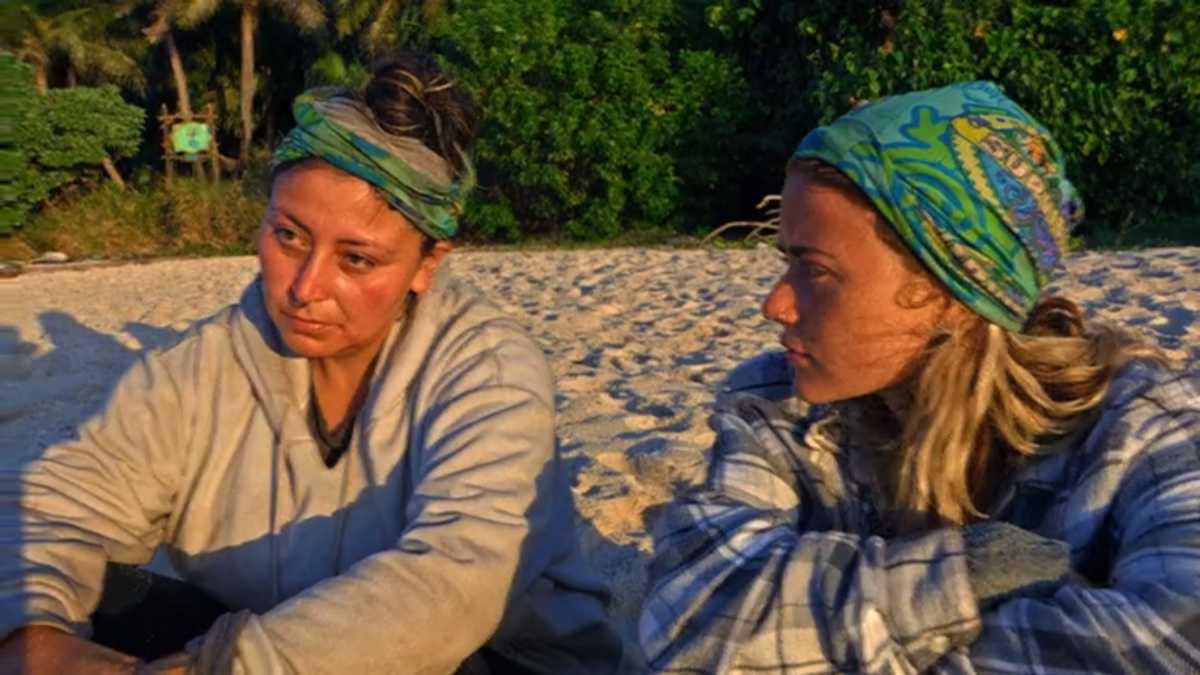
point(946, 470)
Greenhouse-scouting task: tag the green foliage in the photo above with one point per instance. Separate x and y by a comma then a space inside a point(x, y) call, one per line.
point(331, 69)
point(75, 41)
point(607, 120)
point(309, 15)
point(191, 217)
point(383, 25)
point(1117, 82)
point(595, 122)
point(57, 138)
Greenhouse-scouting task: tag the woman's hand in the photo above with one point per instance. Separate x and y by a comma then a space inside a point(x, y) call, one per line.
point(44, 649)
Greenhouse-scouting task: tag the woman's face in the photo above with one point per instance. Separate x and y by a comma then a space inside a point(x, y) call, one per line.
point(337, 262)
point(855, 311)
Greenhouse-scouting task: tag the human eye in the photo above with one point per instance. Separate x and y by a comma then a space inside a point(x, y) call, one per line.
point(358, 262)
point(286, 236)
point(812, 270)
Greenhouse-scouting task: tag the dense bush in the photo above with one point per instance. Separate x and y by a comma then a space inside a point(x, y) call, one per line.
point(54, 139)
point(1117, 81)
point(191, 217)
point(610, 118)
point(597, 121)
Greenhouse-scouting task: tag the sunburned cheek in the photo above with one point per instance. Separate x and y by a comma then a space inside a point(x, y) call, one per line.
point(380, 299)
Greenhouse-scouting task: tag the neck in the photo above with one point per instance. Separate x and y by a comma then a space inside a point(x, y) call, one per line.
point(343, 373)
point(340, 384)
point(898, 401)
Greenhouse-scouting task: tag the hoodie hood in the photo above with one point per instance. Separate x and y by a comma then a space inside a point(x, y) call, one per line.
point(282, 380)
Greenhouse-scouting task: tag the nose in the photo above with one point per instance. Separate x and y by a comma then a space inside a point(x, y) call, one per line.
point(780, 304)
point(311, 282)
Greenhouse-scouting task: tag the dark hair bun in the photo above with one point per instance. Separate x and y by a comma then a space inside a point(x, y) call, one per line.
point(410, 95)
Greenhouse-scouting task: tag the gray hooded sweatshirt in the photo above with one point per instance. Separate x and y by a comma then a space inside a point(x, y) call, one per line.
point(447, 524)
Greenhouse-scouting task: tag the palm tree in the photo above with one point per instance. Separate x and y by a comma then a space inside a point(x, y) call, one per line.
point(307, 15)
point(46, 40)
point(163, 15)
point(382, 24)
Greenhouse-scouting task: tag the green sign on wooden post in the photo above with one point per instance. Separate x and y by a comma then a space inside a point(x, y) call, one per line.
point(190, 139)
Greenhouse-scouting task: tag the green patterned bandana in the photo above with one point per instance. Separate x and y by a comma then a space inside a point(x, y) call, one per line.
point(414, 179)
point(973, 184)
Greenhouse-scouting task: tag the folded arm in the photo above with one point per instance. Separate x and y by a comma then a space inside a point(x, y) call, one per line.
point(738, 583)
point(1146, 617)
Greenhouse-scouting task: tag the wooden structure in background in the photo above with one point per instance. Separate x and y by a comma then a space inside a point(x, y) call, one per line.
point(762, 228)
point(190, 138)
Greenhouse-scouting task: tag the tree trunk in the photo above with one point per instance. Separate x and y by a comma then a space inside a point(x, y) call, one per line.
point(269, 113)
point(182, 97)
point(40, 79)
point(249, 27)
point(111, 170)
point(181, 89)
point(71, 78)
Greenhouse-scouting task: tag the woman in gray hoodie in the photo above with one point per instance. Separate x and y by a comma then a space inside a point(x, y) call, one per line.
point(354, 466)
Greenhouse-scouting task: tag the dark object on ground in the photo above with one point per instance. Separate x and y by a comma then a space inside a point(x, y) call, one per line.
point(149, 616)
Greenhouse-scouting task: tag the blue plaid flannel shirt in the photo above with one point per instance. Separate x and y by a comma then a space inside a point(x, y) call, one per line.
point(773, 565)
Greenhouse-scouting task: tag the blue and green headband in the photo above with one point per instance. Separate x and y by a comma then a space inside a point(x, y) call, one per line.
point(415, 180)
point(973, 184)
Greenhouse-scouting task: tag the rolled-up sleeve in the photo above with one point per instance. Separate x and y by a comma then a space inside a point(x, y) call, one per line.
point(739, 585)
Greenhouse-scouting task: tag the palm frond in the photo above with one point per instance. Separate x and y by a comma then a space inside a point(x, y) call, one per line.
point(32, 25)
point(226, 97)
point(350, 15)
point(78, 38)
point(72, 18)
point(163, 16)
point(307, 15)
point(67, 43)
point(32, 51)
point(105, 64)
point(192, 13)
point(175, 9)
point(331, 69)
point(432, 11)
point(381, 33)
point(127, 7)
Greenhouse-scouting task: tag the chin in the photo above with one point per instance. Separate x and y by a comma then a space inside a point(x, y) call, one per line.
point(817, 392)
point(301, 345)
point(307, 346)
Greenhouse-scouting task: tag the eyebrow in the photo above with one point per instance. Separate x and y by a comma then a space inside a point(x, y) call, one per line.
point(799, 250)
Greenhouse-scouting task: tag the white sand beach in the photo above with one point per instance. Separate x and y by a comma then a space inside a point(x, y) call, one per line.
point(638, 341)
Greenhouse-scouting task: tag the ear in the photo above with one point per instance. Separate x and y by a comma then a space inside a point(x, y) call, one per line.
point(429, 266)
point(920, 291)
